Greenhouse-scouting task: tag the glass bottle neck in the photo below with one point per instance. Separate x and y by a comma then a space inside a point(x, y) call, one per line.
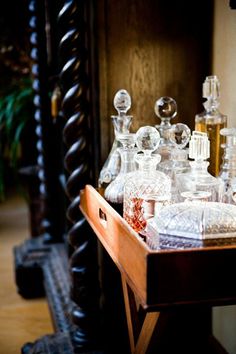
point(121, 124)
point(211, 105)
point(147, 163)
point(199, 166)
point(127, 159)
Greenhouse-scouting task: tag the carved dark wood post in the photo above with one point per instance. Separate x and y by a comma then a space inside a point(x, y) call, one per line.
point(85, 290)
point(30, 256)
point(46, 144)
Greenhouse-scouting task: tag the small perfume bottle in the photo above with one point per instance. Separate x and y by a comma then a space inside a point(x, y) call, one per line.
point(199, 183)
point(228, 168)
point(178, 162)
point(146, 190)
point(165, 109)
point(114, 193)
point(121, 123)
point(212, 121)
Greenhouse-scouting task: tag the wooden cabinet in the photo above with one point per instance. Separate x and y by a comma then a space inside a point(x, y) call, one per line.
point(152, 48)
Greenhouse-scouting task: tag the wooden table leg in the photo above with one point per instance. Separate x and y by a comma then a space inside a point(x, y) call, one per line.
point(139, 333)
point(145, 335)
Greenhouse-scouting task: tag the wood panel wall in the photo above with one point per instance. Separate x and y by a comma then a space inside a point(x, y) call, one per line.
point(152, 48)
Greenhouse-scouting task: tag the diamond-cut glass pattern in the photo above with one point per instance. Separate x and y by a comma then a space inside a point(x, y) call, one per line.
point(197, 220)
point(144, 195)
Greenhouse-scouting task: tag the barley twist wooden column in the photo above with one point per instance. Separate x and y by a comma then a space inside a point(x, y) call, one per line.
point(52, 229)
point(75, 107)
point(30, 256)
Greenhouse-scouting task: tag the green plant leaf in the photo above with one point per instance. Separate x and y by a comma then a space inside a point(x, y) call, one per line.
point(15, 110)
point(15, 144)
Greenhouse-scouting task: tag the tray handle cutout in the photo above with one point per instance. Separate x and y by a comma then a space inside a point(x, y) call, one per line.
point(103, 217)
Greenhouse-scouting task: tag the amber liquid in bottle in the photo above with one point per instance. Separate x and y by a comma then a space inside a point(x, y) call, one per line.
point(216, 152)
point(211, 121)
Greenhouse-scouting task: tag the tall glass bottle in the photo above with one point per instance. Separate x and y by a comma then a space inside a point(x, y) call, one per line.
point(228, 168)
point(114, 193)
point(121, 123)
point(199, 183)
point(146, 190)
point(165, 109)
point(178, 162)
point(212, 121)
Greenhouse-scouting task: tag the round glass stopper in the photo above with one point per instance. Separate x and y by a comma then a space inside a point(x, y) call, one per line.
point(180, 135)
point(165, 107)
point(147, 138)
point(122, 101)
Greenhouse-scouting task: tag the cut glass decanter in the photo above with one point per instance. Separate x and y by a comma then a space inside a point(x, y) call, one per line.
point(211, 120)
point(165, 109)
point(199, 181)
point(121, 123)
point(228, 168)
point(146, 190)
point(196, 220)
point(114, 193)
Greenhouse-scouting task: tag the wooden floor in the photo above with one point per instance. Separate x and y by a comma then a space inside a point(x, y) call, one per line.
point(21, 320)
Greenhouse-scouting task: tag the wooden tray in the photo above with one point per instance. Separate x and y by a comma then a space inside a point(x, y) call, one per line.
point(164, 277)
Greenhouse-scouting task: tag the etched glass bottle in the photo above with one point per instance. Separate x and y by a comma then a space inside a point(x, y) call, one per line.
point(228, 168)
point(199, 183)
point(165, 109)
point(178, 162)
point(212, 121)
point(121, 123)
point(146, 190)
point(114, 193)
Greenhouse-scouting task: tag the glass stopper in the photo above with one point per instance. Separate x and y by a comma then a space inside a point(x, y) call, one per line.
point(122, 102)
point(147, 139)
point(211, 87)
point(199, 146)
point(180, 135)
point(165, 108)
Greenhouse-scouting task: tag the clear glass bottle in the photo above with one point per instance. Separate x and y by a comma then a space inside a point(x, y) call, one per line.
point(165, 109)
point(195, 184)
point(228, 168)
point(178, 162)
point(195, 220)
point(146, 190)
point(121, 123)
point(212, 121)
point(114, 193)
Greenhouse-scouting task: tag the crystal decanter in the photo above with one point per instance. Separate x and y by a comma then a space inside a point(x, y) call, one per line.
point(165, 109)
point(146, 190)
point(114, 193)
point(121, 123)
point(178, 162)
point(212, 121)
point(228, 168)
point(192, 224)
point(199, 183)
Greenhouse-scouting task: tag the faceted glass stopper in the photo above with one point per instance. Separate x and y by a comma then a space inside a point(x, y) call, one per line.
point(147, 139)
point(211, 87)
point(165, 108)
point(122, 102)
point(180, 135)
point(199, 146)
